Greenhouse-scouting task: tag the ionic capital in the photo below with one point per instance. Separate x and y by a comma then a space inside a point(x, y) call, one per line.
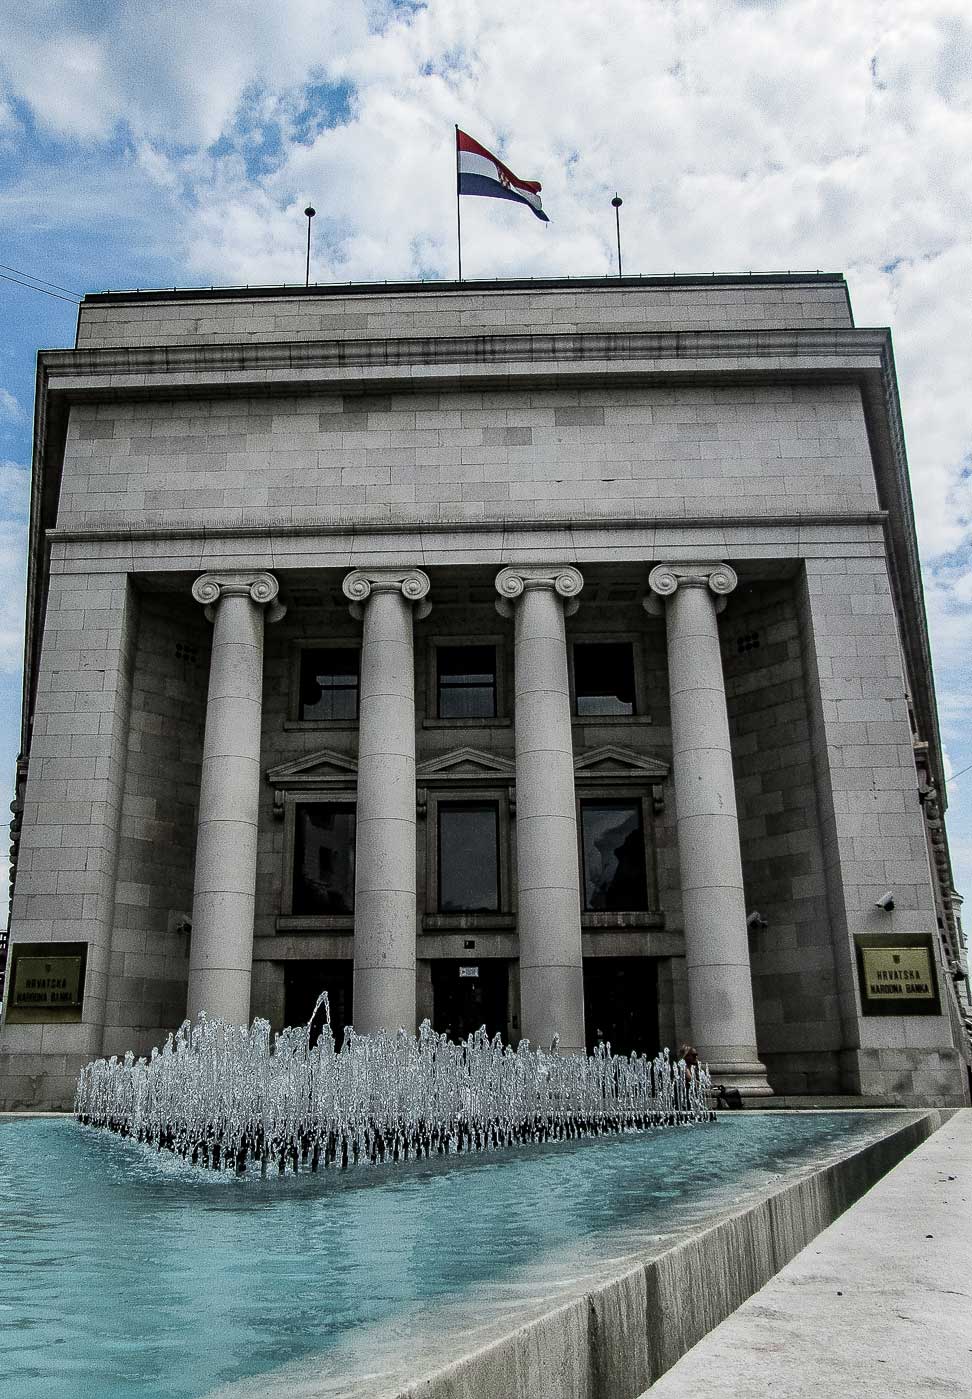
point(512, 582)
point(412, 583)
point(261, 588)
point(666, 578)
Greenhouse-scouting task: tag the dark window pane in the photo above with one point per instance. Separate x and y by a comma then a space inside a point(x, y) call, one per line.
point(615, 878)
point(323, 858)
point(604, 677)
point(329, 683)
point(466, 682)
point(468, 858)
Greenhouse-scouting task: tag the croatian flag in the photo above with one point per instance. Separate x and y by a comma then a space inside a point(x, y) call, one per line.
point(481, 172)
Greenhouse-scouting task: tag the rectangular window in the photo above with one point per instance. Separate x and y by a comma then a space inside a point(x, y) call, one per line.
point(468, 857)
point(466, 682)
point(604, 677)
point(613, 843)
point(323, 858)
point(328, 682)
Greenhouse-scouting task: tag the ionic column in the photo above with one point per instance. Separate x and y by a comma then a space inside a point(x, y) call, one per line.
point(384, 874)
point(221, 956)
point(716, 939)
point(547, 878)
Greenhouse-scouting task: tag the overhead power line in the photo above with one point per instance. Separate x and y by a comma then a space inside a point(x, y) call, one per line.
point(21, 273)
point(33, 283)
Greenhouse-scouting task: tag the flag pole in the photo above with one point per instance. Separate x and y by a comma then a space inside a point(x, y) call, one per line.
point(458, 215)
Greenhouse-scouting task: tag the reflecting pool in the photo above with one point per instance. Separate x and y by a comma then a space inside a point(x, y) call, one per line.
point(125, 1274)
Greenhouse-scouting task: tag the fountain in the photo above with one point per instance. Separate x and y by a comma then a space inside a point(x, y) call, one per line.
point(223, 1097)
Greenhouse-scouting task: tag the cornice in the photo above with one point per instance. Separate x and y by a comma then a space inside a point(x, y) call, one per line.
point(255, 530)
point(245, 366)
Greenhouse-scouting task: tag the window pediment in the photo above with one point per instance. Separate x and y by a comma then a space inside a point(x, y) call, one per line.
point(614, 762)
point(465, 764)
point(323, 768)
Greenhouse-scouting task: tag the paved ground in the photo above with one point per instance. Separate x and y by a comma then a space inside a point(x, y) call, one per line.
point(880, 1304)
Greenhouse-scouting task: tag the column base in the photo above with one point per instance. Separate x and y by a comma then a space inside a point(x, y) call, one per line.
point(749, 1077)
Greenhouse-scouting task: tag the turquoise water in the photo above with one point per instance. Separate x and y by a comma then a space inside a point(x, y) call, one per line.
point(127, 1275)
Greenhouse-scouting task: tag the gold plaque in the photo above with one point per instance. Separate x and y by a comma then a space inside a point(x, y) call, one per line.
point(896, 972)
point(46, 982)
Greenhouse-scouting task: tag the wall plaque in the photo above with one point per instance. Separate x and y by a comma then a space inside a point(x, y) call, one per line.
point(46, 981)
point(897, 975)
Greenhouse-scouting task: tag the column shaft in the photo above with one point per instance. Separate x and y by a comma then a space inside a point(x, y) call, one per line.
point(225, 878)
point(221, 956)
point(713, 899)
point(548, 891)
point(384, 881)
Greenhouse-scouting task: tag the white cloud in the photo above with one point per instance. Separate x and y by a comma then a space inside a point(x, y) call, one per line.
point(175, 73)
point(10, 409)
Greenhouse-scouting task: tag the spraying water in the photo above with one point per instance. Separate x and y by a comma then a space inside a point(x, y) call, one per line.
point(223, 1096)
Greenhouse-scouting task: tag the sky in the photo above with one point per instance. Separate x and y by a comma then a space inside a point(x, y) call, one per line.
point(177, 145)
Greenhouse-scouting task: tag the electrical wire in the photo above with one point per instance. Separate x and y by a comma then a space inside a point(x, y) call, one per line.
point(21, 273)
point(960, 773)
point(56, 295)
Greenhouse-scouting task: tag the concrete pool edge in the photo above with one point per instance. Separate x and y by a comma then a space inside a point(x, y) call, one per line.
point(615, 1340)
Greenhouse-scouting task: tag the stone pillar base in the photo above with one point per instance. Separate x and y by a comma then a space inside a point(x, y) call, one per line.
point(750, 1079)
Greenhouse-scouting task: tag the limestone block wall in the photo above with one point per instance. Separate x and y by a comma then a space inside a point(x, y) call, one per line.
point(65, 888)
point(794, 975)
point(871, 820)
point(156, 853)
point(751, 304)
point(786, 449)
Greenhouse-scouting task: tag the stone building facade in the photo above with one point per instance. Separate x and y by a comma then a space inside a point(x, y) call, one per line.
point(544, 655)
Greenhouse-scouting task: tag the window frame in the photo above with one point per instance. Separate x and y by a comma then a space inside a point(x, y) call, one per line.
point(330, 643)
point(431, 718)
point(437, 690)
point(484, 802)
point(648, 801)
point(288, 921)
point(432, 919)
point(635, 641)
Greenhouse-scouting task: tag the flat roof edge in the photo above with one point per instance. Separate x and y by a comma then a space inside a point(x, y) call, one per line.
point(522, 284)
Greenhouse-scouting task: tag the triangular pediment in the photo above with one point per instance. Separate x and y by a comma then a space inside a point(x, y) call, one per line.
point(322, 766)
point(611, 761)
point(465, 762)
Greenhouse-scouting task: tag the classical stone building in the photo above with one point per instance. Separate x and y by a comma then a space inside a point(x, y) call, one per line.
point(546, 655)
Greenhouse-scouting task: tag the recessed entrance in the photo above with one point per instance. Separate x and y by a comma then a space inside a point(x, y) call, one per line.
point(468, 994)
point(621, 1003)
point(304, 982)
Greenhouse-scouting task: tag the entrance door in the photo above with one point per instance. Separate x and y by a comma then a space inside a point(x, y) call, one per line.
point(468, 994)
point(304, 982)
point(621, 1003)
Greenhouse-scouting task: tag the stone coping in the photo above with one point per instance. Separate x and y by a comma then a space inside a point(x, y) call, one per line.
point(887, 1330)
point(610, 1331)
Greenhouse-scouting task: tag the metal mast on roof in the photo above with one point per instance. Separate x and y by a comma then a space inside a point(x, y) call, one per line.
point(617, 201)
point(310, 211)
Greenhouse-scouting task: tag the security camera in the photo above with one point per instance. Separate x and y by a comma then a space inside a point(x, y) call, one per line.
point(756, 920)
point(886, 901)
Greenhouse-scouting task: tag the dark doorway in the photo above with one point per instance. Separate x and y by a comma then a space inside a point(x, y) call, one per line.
point(621, 1003)
point(304, 982)
point(468, 994)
